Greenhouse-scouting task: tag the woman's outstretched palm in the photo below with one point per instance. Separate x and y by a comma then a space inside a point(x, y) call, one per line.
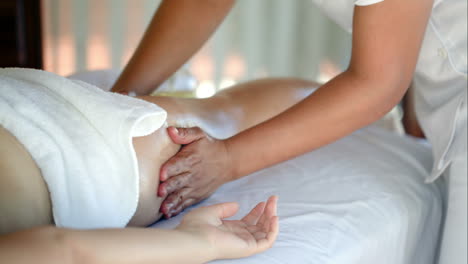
point(252, 234)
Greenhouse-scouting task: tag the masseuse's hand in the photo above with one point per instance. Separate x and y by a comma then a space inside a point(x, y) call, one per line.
point(252, 234)
point(195, 172)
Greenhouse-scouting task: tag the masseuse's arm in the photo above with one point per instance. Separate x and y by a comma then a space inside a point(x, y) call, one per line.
point(178, 29)
point(386, 42)
point(202, 236)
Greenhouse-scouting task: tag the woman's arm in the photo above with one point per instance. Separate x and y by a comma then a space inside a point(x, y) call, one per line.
point(50, 245)
point(177, 30)
point(386, 43)
point(202, 236)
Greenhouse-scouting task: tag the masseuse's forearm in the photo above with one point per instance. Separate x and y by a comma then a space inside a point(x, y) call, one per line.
point(340, 107)
point(178, 29)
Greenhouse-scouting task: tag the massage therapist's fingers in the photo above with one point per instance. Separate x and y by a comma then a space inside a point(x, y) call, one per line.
point(173, 166)
point(201, 167)
point(185, 136)
point(172, 202)
point(181, 162)
point(173, 184)
point(187, 203)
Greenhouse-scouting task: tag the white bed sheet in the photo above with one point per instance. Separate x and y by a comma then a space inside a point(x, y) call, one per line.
point(361, 200)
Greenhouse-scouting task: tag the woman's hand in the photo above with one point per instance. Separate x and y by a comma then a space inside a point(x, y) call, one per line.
point(195, 172)
point(254, 233)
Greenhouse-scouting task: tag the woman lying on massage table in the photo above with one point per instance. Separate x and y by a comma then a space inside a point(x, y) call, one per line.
point(202, 236)
point(223, 115)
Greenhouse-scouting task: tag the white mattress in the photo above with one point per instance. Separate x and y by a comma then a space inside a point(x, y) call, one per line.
point(361, 200)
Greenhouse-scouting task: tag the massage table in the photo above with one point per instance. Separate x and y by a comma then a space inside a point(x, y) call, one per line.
point(360, 200)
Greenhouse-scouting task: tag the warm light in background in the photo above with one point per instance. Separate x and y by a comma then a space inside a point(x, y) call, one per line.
point(97, 53)
point(59, 41)
point(202, 66)
point(235, 67)
point(65, 51)
point(94, 35)
point(226, 83)
point(327, 71)
point(205, 89)
point(91, 35)
point(98, 56)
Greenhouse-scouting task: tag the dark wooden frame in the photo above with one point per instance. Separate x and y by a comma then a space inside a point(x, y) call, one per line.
point(20, 34)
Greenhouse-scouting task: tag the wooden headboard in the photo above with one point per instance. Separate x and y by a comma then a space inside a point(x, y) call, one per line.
point(21, 36)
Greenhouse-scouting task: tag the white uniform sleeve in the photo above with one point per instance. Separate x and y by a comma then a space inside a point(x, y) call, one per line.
point(367, 2)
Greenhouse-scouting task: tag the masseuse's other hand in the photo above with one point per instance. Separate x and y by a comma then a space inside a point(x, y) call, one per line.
point(195, 172)
point(252, 234)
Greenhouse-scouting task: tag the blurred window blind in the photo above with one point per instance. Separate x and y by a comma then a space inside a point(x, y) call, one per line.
point(261, 38)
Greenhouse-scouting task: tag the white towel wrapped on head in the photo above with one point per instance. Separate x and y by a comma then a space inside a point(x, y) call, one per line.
point(81, 139)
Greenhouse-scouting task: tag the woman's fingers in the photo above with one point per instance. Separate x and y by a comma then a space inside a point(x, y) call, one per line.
point(270, 210)
point(263, 224)
point(252, 217)
point(256, 236)
point(259, 235)
point(271, 235)
point(273, 229)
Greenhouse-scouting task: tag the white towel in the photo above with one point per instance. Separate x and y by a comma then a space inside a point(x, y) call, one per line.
point(81, 139)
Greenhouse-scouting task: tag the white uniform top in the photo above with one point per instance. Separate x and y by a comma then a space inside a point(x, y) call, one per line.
point(440, 80)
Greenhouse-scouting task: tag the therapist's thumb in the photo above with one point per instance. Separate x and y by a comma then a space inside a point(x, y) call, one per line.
point(185, 136)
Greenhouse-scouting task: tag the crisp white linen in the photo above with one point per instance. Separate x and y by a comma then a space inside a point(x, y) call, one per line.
point(181, 81)
point(361, 200)
point(62, 123)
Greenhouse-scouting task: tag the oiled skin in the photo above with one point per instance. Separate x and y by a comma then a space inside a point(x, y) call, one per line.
point(221, 116)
